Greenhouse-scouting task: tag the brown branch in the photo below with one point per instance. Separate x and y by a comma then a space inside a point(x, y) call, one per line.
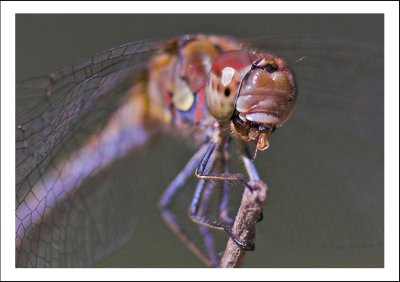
point(245, 223)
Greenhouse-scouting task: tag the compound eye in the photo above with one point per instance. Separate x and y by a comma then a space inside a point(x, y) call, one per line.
point(224, 82)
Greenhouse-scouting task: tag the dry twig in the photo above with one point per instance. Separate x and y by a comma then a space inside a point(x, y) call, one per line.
point(244, 228)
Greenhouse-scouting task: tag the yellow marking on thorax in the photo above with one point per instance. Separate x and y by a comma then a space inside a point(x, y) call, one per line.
point(159, 84)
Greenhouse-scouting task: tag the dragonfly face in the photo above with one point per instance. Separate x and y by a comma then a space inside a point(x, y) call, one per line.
point(257, 92)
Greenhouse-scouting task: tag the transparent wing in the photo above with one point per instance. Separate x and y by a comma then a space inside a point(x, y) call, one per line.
point(49, 106)
point(58, 224)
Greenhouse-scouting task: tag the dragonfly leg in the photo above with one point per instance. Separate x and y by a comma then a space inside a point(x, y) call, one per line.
point(168, 197)
point(251, 170)
point(196, 214)
point(224, 206)
point(209, 243)
point(180, 180)
point(206, 188)
point(201, 172)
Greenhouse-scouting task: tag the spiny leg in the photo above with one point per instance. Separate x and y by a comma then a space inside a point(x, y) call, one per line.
point(201, 172)
point(224, 206)
point(169, 195)
point(202, 167)
point(204, 230)
point(197, 203)
point(180, 180)
point(196, 210)
point(251, 169)
point(203, 196)
point(254, 177)
point(166, 201)
point(209, 243)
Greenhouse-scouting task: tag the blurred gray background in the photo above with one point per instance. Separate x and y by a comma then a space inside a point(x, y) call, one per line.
point(324, 168)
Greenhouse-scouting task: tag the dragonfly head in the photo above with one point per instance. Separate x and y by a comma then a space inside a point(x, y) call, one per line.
point(255, 92)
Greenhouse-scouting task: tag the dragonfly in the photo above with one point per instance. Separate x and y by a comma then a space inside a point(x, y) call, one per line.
point(73, 124)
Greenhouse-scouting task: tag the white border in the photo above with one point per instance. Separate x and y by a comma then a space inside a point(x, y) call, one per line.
point(391, 11)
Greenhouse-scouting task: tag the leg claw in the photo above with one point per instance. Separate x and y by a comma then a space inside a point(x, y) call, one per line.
point(246, 245)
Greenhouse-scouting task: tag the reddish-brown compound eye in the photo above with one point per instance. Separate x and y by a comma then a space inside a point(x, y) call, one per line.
point(224, 82)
